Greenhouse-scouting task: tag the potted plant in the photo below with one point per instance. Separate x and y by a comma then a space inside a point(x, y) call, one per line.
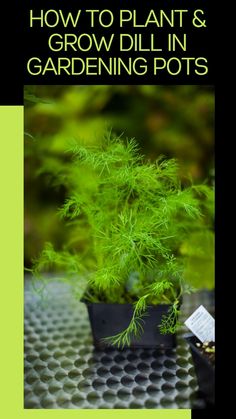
point(129, 218)
point(204, 360)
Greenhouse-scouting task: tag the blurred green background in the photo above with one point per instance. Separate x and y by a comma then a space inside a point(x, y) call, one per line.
point(176, 121)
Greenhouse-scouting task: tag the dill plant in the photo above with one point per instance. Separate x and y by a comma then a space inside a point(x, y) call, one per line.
point(129, 219)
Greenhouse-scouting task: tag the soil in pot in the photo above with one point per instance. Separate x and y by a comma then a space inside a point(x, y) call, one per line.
point(110, 319)
point(208, 350)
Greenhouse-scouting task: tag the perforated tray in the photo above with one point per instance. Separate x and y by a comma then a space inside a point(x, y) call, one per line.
point(64, 371)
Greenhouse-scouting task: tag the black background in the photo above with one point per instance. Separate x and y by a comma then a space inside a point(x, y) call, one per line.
point(24, 42)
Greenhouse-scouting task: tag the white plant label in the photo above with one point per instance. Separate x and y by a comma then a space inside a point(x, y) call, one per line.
point(202, 324)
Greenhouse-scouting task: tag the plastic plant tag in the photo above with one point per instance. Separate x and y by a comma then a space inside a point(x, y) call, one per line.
point(202, 324)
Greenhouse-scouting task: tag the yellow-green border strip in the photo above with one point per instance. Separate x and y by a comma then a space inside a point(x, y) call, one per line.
point(11, 292)
point(11, 260)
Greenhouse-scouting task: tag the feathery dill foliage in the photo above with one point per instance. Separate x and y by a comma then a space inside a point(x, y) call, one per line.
point(130, 217)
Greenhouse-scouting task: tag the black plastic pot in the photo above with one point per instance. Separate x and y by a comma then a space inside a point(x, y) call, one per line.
point(110, 319)
point(205, 371)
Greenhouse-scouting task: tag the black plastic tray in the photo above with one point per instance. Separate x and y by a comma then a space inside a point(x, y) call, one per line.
point(63, 370)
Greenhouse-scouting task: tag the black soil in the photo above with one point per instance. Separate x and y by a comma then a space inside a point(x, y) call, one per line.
point(208, 350)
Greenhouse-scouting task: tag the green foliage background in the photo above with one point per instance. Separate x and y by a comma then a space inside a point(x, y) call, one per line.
point(176, 121)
